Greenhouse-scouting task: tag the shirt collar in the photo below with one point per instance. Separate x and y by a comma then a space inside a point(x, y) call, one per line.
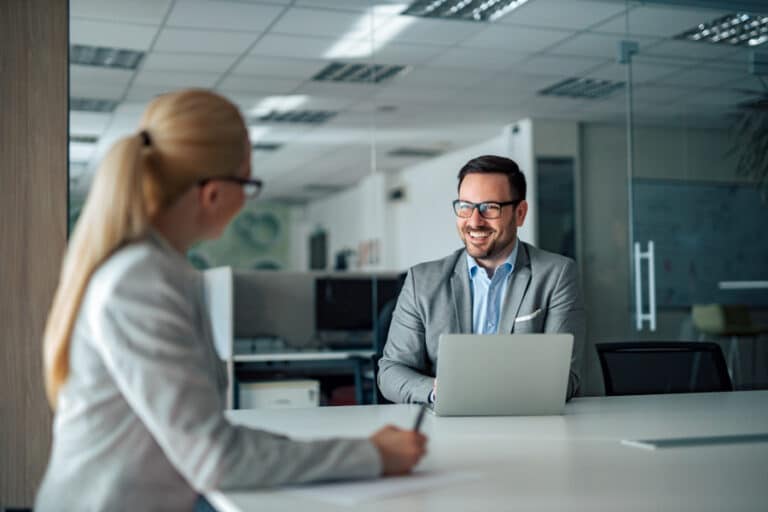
point(472, 264)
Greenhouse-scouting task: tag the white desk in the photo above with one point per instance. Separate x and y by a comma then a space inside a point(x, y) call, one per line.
point(571, 462)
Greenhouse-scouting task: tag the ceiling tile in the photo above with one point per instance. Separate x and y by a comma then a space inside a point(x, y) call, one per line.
point(515, 38)
point(558, 66)
point(109, 76)
point(223, 15)
point(279, 67)
point(657, 94)
point(174, 79)
point(596, 45)
point(318, 22)
point(255, 84)
point(203, 41)
point(688, 50)
point(394, 53)
point(429, 77)
point(469, 58)
point(697, 77)
point(148, 12)
point(188, 62)
point(101, 83)
point(550, 13)
point(641, 71)
point(339, 90)
point(660, 21)
point(278, 45)
point(115, 35)
point(349, 5)
point(88, 123)
point(436, 31)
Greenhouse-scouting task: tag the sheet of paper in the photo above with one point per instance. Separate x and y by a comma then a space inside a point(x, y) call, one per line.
point(685, 442)
point(354, 493)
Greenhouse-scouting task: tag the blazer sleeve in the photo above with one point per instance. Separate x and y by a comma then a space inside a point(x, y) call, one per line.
point(566, 315)
point(403, 364)
point(145, 331)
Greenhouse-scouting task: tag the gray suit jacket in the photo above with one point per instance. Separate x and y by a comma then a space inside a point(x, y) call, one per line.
point(542, 296)
point(140, 423)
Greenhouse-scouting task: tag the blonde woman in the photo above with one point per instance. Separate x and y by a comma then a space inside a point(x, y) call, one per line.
point(130, 367)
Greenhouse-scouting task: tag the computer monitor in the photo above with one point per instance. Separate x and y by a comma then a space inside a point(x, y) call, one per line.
point(346, 308)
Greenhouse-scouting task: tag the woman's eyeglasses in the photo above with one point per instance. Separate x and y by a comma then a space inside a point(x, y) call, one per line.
point(251, 186)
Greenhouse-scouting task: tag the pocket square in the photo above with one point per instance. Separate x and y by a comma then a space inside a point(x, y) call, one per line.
point(526, 318)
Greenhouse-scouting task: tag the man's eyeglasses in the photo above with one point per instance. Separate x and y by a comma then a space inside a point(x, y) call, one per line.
point(487, 209)
point(251, 186)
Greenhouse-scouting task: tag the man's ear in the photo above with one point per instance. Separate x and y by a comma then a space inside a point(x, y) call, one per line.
point(520, 212)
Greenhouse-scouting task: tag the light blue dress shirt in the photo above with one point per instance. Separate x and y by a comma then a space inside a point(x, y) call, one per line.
point(488, 293)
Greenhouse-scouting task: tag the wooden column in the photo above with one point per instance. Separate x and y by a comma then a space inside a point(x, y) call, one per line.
point(33, 220)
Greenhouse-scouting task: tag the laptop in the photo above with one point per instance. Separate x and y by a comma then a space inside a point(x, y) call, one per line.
point(502, 374)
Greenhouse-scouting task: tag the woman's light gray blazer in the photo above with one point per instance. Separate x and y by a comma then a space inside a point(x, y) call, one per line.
point(140, 423)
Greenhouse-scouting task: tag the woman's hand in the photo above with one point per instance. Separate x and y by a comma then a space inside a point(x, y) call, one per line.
point(400, 449)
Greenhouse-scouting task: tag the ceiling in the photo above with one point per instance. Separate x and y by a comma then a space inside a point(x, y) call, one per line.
point(464, 80)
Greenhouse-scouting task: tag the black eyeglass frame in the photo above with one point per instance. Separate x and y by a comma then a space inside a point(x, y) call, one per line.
point(255, 183)
point(482, 207)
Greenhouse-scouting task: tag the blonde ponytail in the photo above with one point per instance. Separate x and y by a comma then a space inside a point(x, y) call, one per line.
point(187, 136)
point(113, 215)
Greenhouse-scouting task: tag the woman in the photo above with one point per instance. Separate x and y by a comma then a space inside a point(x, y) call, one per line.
point(130, 366)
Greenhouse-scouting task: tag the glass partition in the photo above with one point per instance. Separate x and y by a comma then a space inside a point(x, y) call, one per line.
point(699, 206)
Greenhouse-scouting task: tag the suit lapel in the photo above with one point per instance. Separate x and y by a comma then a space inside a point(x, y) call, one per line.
point(521, 278)
point(462, 295)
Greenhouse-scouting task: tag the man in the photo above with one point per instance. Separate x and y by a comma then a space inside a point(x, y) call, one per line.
point(496, 284)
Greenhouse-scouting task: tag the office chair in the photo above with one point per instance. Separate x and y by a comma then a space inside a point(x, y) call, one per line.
point(641, 368)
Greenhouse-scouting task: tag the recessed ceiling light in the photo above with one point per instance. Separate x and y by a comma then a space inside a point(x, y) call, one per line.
point(85, 139)
point(278, 104)
point(738, 29)
point(412, 152)
point(358, 73)
point(92, 105)
point(582, 88)
point(104, 57)
point(266, 146)
point(297, 116)
point(374, 29)
point(468, 10)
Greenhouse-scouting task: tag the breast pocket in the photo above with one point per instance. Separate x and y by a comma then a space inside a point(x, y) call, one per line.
point(529, 322)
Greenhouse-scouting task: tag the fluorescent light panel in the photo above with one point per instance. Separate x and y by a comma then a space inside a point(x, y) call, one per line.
point(278, 104)
point(92, 105)
point(358, 73)
point(738, 29)
point(467, 10)
point(104, 57)
point(374, 29)
point(296, 116)
point(582, 88)
point(266, 146)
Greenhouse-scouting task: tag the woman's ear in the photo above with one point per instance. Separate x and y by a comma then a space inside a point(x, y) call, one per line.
point(209, 196)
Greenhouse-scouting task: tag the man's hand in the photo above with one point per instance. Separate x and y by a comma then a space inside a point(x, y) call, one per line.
point(400, 450)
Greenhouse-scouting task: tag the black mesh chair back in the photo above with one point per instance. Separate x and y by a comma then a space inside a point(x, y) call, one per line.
point(643, 368)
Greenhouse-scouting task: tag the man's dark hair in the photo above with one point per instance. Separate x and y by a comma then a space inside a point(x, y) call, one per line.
point(492, 164)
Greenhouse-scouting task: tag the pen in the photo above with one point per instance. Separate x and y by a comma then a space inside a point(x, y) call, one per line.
point(420, 417)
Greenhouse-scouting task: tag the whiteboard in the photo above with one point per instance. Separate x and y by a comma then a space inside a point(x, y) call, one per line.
point(704, 233)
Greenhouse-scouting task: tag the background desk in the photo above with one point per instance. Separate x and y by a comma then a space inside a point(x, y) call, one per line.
point(570, 462)
point(354, 361)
